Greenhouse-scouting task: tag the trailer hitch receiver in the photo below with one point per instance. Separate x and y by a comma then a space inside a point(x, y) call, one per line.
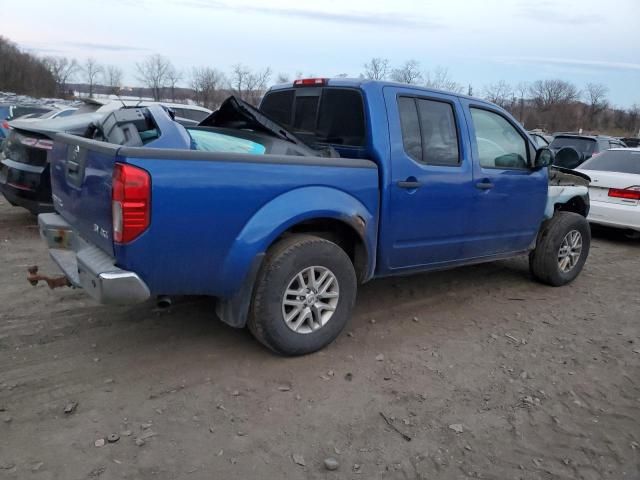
point(53, 282)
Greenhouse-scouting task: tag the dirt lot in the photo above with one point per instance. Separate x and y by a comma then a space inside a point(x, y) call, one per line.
point(488, 375)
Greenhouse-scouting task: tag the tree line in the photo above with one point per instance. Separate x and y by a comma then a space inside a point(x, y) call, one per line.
point(550, 104)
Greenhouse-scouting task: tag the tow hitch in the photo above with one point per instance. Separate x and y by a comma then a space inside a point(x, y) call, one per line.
point(54, 282)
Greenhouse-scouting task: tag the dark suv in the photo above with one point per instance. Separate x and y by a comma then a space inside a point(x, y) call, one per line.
point(572, 149)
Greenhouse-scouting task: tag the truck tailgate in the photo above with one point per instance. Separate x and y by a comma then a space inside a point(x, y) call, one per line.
point(81, 179)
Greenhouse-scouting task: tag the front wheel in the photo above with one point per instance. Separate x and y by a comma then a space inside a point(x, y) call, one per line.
point(304, 295)
point(562, 249)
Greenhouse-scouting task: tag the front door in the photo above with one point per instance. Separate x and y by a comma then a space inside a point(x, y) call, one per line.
point(430, 187)
point(509, 197)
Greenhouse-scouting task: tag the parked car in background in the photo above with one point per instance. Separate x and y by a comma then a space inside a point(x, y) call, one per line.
point(631, 141)
point(58, 112)
point(540, 138)
point(24, 169)
point(572, 149)
point(281, 212)
point(615, 188)
point(9, 112)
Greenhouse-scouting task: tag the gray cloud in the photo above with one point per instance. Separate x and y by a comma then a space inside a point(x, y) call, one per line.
point(371, 19)
point(105, 46)
point(570, 62)
point(546, 11)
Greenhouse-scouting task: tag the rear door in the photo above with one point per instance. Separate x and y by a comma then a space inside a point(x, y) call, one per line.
point(81, 172)
point(509, 197)
point(431, 186)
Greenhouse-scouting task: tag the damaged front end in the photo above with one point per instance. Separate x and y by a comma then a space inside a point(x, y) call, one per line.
point(568, 190)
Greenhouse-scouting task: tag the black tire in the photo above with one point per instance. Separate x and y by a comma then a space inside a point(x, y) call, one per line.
point(543, 261)
point(282, 262)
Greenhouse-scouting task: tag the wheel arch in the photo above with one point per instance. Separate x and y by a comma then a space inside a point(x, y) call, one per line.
point(323, 211)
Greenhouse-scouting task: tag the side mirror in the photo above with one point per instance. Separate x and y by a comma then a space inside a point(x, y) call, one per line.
point(544, 158)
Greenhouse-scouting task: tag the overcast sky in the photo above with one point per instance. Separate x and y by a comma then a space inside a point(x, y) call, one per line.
point(479, 41)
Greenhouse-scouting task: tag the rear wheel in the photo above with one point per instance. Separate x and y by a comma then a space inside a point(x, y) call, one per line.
point(304, 295)
point(562, 249)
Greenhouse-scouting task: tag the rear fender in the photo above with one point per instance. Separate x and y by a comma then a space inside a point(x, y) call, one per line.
point(270, 222)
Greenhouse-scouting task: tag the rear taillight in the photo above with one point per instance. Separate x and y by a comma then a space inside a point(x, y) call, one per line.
point(5, 125)
point(131, 202)
point(629, 193)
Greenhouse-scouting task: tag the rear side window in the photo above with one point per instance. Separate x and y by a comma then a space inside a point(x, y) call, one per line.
point(499, 144)
point(410, 125)
point(328, 115)
point(429, 132)
point(622, 161)
point(439, 133)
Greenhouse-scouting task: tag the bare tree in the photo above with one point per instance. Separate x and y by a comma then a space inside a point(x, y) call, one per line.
point(376, 69)
point(548, 93)
point(556, 103)
point(596, 97)
point(153, 73)
point(283, 78)
point(409, 72)
point(174, 76)
point(440, 79)
point(113, 79)
point(247, 84)
point(92, 70)
point(63, 69)
point(499, 93)
point(207, 84)
point(521, 90)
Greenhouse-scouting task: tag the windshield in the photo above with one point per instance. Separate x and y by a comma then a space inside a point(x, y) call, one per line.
point(582, 145)
point(622, 161)
point(328, 115)
point(208, 141)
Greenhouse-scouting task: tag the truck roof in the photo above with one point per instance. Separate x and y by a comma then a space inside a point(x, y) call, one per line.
point(367, 84)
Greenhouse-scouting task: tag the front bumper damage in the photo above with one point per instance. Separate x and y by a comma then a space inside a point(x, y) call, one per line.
point(86, 266)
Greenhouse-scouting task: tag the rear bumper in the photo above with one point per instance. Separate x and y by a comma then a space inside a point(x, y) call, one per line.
point(615, 215)
point(88, 267)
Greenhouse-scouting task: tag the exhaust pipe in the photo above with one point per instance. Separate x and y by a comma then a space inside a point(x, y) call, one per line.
point(163, 301)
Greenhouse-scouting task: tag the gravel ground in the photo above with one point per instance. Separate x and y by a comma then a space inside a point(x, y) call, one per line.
point(472, 373)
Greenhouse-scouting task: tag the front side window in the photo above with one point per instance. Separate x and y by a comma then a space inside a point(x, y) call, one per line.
point(498, 142)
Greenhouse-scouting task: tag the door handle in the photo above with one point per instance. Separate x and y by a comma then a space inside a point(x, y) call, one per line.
point(409, 184)
point(487, 185)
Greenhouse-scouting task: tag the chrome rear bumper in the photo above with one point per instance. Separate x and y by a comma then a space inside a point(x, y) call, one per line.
point(88, 267)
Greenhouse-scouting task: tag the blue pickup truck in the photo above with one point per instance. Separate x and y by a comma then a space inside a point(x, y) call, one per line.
point(280, 212)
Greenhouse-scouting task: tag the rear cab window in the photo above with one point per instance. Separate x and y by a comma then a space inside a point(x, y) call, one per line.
point(319, 115)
